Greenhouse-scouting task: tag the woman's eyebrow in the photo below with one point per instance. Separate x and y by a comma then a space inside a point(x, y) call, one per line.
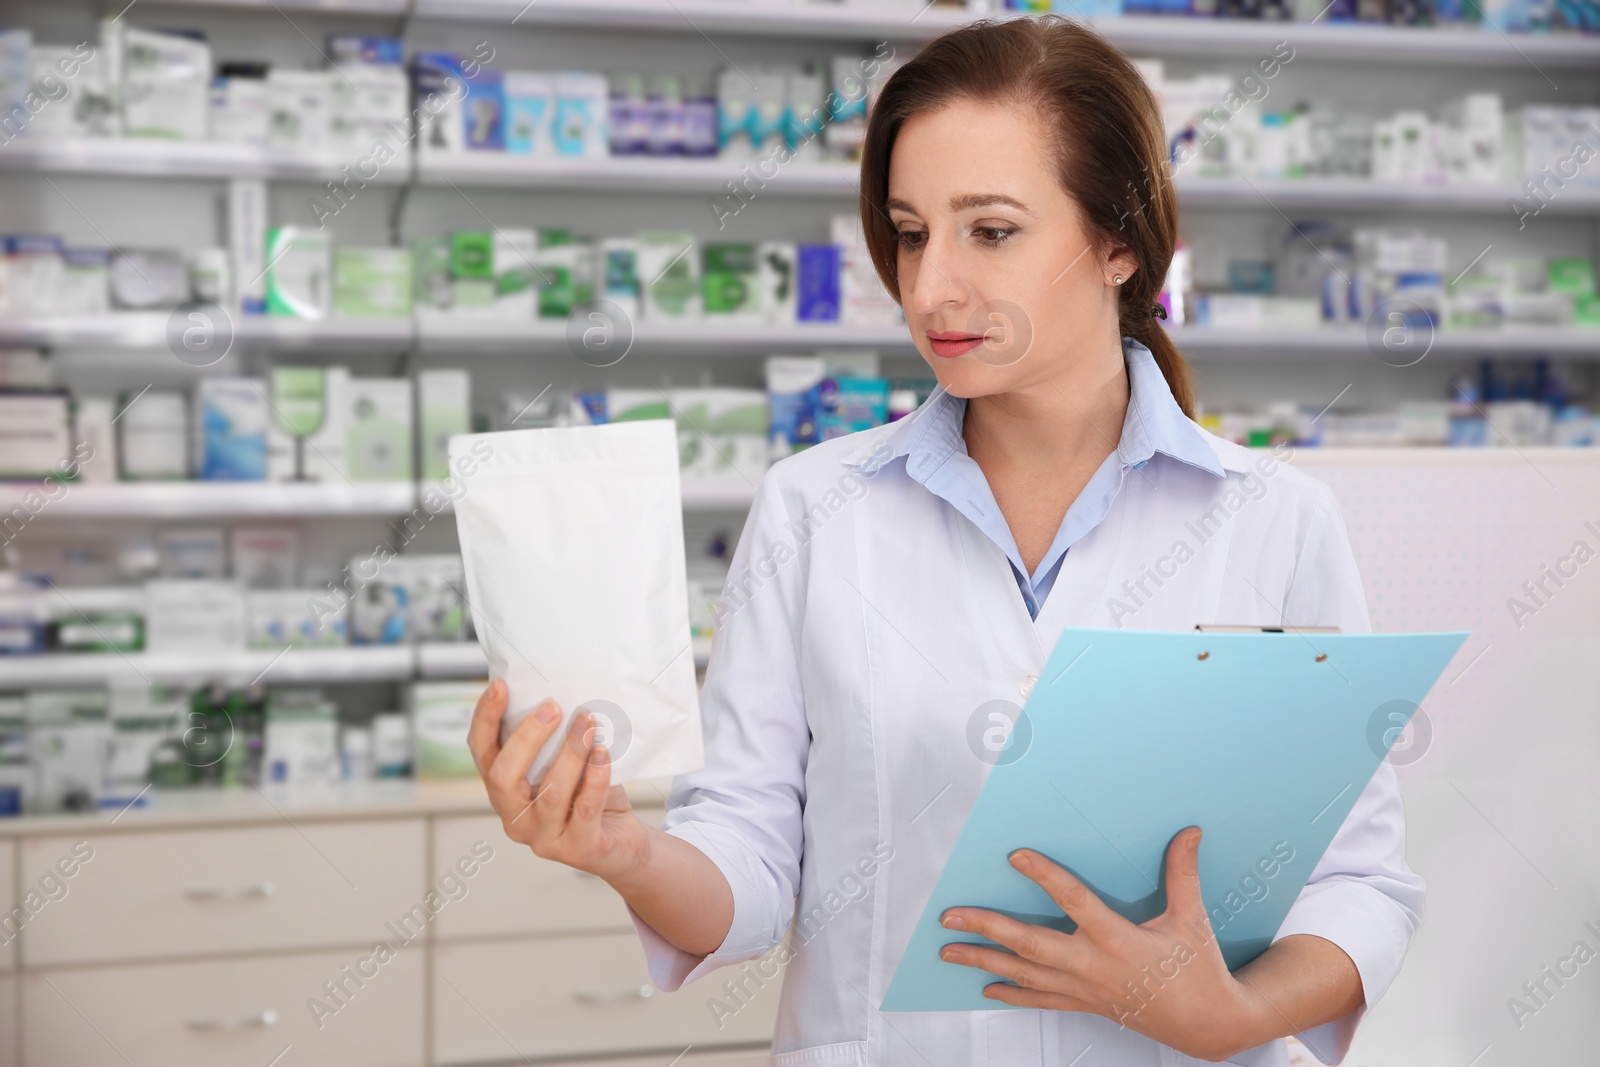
point(899, 205)
point(968, 201)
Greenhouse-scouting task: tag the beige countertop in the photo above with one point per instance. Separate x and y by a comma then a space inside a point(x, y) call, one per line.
point(166, 809)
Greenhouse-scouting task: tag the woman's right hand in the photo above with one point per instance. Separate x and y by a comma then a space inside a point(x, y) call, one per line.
point(574, 816)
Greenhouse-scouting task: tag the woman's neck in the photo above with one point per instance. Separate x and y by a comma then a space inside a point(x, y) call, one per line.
point(1076, 415)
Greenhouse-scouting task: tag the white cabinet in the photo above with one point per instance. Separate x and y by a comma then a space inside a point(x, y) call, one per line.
point(228, 1011)
point(195, 892)
point(565, 996)
point(186, 942)
point(519, 893)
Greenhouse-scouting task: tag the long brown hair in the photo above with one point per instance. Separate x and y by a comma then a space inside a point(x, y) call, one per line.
point(1110, 146)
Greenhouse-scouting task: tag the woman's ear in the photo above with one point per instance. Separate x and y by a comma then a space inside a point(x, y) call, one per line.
point(1119, 264)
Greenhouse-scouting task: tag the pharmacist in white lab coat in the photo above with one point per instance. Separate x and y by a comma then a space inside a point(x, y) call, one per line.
point(891, 583)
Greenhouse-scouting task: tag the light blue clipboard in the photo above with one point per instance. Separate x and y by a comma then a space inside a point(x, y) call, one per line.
point(1263, 740)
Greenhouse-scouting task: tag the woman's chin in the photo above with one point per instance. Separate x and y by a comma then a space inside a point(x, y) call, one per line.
point(967, 377)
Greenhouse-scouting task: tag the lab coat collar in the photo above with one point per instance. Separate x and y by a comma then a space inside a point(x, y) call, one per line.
point(1154, 423)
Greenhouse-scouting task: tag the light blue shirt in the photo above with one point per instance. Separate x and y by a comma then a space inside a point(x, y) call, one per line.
point(936, 457)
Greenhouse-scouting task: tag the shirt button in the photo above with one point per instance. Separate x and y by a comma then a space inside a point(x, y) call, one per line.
point(1027, 685)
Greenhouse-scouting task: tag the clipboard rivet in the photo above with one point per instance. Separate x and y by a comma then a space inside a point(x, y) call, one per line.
point(1322, 657)
point(1204, 655)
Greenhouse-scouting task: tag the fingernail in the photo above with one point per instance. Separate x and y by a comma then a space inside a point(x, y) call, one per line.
point(601, 756)
point(954, 922)
point(498, 685)
point(549, 713)
point(950, 955)
point(1021, 859)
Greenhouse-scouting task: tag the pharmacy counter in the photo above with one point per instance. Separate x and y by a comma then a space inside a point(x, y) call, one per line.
point(246, 806)
point(383, 923)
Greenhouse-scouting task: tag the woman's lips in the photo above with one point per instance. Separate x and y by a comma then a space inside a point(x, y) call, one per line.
point(951, 344)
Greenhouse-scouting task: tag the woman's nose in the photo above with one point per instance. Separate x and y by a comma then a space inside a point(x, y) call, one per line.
point(937, 281)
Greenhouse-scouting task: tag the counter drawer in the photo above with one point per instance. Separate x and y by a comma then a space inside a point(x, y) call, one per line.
point(517, 892)
point(194, 892)
point(565, 996)
point(235, 1011)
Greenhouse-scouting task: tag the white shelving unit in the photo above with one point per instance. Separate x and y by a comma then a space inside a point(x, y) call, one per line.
point(460, 660)
point(505, 170)
point(172, 500)
point(453, 335)
point(388, 663)
point(918, 21)
point(157, 158)
point(270, 666)
point(201, 500)
point(1336, 343)
point(709, 176)
point(135, 330)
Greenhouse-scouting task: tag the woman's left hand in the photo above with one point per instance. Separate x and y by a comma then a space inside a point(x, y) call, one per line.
point(1164, 978)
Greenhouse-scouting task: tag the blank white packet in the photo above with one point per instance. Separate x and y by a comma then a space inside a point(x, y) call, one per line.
point(572, 539)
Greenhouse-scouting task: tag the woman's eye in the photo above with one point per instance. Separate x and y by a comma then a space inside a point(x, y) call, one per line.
point(911, 240)
point(992, 235)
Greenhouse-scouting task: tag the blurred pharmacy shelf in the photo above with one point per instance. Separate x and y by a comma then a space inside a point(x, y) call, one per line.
point(162, 329)
point(178, 500)
point(451, 660)
point(448, 334)
point(368, 663)
point(488, 334)
point(711, 176)
point(630, 173)
point(269, 666)
point(384, 8)
point(918, 21)
point(732, 494)
point(180, 159)
point(1202, 342)
point(1528, 456)
point(1355, 194)
point(163, 158)
point(174, 500)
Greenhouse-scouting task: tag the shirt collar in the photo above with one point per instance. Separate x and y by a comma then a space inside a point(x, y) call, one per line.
point(1154, 423)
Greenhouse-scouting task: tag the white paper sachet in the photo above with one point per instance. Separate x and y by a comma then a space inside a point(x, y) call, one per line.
point(572, 538)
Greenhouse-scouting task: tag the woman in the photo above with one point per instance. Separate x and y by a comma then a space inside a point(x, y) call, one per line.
point(891, 583)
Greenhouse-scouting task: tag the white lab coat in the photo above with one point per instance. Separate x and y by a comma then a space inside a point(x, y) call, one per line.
point(864, 621)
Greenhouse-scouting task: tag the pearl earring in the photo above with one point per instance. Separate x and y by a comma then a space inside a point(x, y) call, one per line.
point(1117, 280)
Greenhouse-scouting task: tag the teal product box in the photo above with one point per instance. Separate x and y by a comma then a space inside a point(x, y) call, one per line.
point(794, 402)
point(851, 404)
point(582, 112)
point(530, 112)
point(1087, 9)
point(232, 429)
point(817, 283)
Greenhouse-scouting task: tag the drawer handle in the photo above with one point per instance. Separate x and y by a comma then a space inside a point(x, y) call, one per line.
point(260, 1019)
point(249, 892)
point(617, 996)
